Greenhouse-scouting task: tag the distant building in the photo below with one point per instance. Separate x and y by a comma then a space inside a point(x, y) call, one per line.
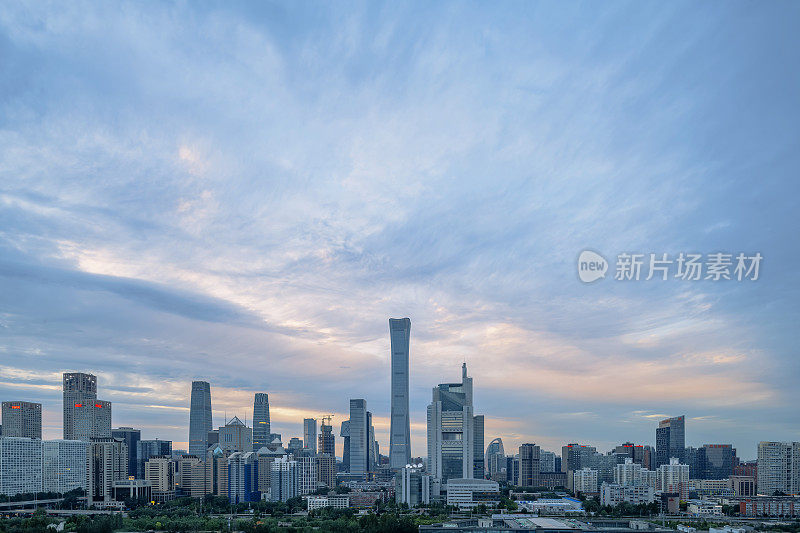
point(547, 461)
point(467, 493)
point(674, 477)
point(413, 486)
point(320, 502)
point(359, 437)
point(243, 477)
point(778, 468)
point(64, 465)
point(529, 465)
point(719, 461)
point(107, 463)
point(22, 419)
point(20, 465)
point(670, 440)
point(235, 436)
point(344, 432)
point(285, 479)
point(326, 469)
point(199, 418)
point(613, 494)
point(310, 435)
point(496, 460)
point(327, 443)
point(553, 480)
point(85, 417)
point(261, 422)
point(145, 449)
point(400, 422)
point(584, 480)
point(131, 437)
point(160, 472)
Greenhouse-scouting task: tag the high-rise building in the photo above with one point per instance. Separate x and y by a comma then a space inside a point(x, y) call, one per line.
point(107, 463)
point(199, 418)
point(160, 472)
point(400, 424)
point(85, 417)
point(235, 436)
point(20, 465)
point(584, 480)
point(413, 486)
point(148, 448)
point(326, 469)
point(478, 464)
point(22, 419)
point(327, 444)
point(451, 430)
point(310, 435)
point(529, 465)
point(778, 467)
point(284, 479)
point(359, 437)
point(63, 465)
point(345, 434)
point(496, 459)
point(243, 477)
point(674, 477)
point(295, 446)
point(131, 437)
point(670, 440)
point(547, 461)
point(718, 461)
point(261, 425)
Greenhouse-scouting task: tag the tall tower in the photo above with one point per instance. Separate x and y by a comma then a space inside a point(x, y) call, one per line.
point(85, 416)
point(359, 437)
point(670, 440)
point(400, 430)
point(199, 418)
point(261, 429)
point(310, 435)
point(22, 419)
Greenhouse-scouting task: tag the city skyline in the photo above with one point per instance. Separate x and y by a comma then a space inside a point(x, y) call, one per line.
point(199, 195)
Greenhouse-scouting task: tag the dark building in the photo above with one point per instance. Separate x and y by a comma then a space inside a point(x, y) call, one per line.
point(479, 470)
point(327, 444)
point(696, 459)
point(529, 465)
point(553, 480)
point(131, 437)
point(670, 440)
point(151, 448)
point(719, 461)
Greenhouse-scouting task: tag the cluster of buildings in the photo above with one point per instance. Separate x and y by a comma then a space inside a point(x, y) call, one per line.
point(245, 463)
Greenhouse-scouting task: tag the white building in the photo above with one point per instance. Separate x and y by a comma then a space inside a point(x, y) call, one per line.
point(308, 474)
point(320, 502)
point(413, 486)
point(547, 461)
point(63, 465)
point(631, 473)
point(778, 467)
point(613, 494)
point(552, 506)
point(466, 493)
point(20, 465)
point(704, 508)
point(284, 479)
point(584, 480)
point(674, 477)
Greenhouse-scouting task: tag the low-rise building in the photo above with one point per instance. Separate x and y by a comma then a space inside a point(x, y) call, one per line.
point(704, 508)
point(552, 506)
point(341, 501)
point(613, 494)
point(469, 493)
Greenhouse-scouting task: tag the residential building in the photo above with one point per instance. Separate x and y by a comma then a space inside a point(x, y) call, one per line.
point(584, 480)
point(308, 475)
point(778, 468)
point(670, 440)
point(22, 419)
point(284, 479)
point(613, 494)
point(674, 477)
point(107, 463)
point(160, 472)
point(326, 469)
point(400, 422)
point(199, 418)
point(243, 477)
point(261, 423)
point(131, 438)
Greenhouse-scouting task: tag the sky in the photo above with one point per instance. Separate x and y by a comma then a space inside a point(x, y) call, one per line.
point(244, 193)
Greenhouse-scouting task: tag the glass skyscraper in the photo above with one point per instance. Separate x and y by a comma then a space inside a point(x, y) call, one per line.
point(261, 427)
point(670, 440)
point(400, 430)
point(199, 418)
point(359, 437)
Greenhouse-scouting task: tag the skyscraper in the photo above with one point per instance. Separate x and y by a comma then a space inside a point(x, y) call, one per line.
point(131, 437)
point(400, 425)
point(327, 444)
point(359, 437)
point(261, 426)
point(451, 430)
point(529, 465)
point(496, 459)
point(670, 440)
point(345, 434)
point(310, 435)
point(85, 416)
point(478, 465)
point(22, 419)
point(778, 467)
point(199, 418)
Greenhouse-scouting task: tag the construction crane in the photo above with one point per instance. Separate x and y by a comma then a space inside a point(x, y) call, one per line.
point(328, 418)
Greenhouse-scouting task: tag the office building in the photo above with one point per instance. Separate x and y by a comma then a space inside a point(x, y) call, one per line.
point(512, 469)
point(160, 472)
point(145, 449)
point(469, 493)
point(479, 466)
point(85, 417)
point(295, 447)
point(778, 468)
point(22, 419)
point(670, 440)
point(326, 469)
point(107, 463)
point(496, 460)
point(547, 461)
point(584, 480)
point(310, 435)
point(199, 418)
point(575, 456)
point(186, 474)
point(718, 461)
point(235, 436)
point(261, 425)
point(359, 437)
point(529, 465)
point(131, 438)
point(413, 486)
point(400, 425)
point(64, 465)
point(451, 430)
point(20, 465)
point(344, 432)
point(320, 502)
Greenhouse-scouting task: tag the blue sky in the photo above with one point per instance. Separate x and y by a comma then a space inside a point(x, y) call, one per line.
point(245, 193)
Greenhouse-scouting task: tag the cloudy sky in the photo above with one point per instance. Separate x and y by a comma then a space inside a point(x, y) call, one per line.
point(245, 194)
